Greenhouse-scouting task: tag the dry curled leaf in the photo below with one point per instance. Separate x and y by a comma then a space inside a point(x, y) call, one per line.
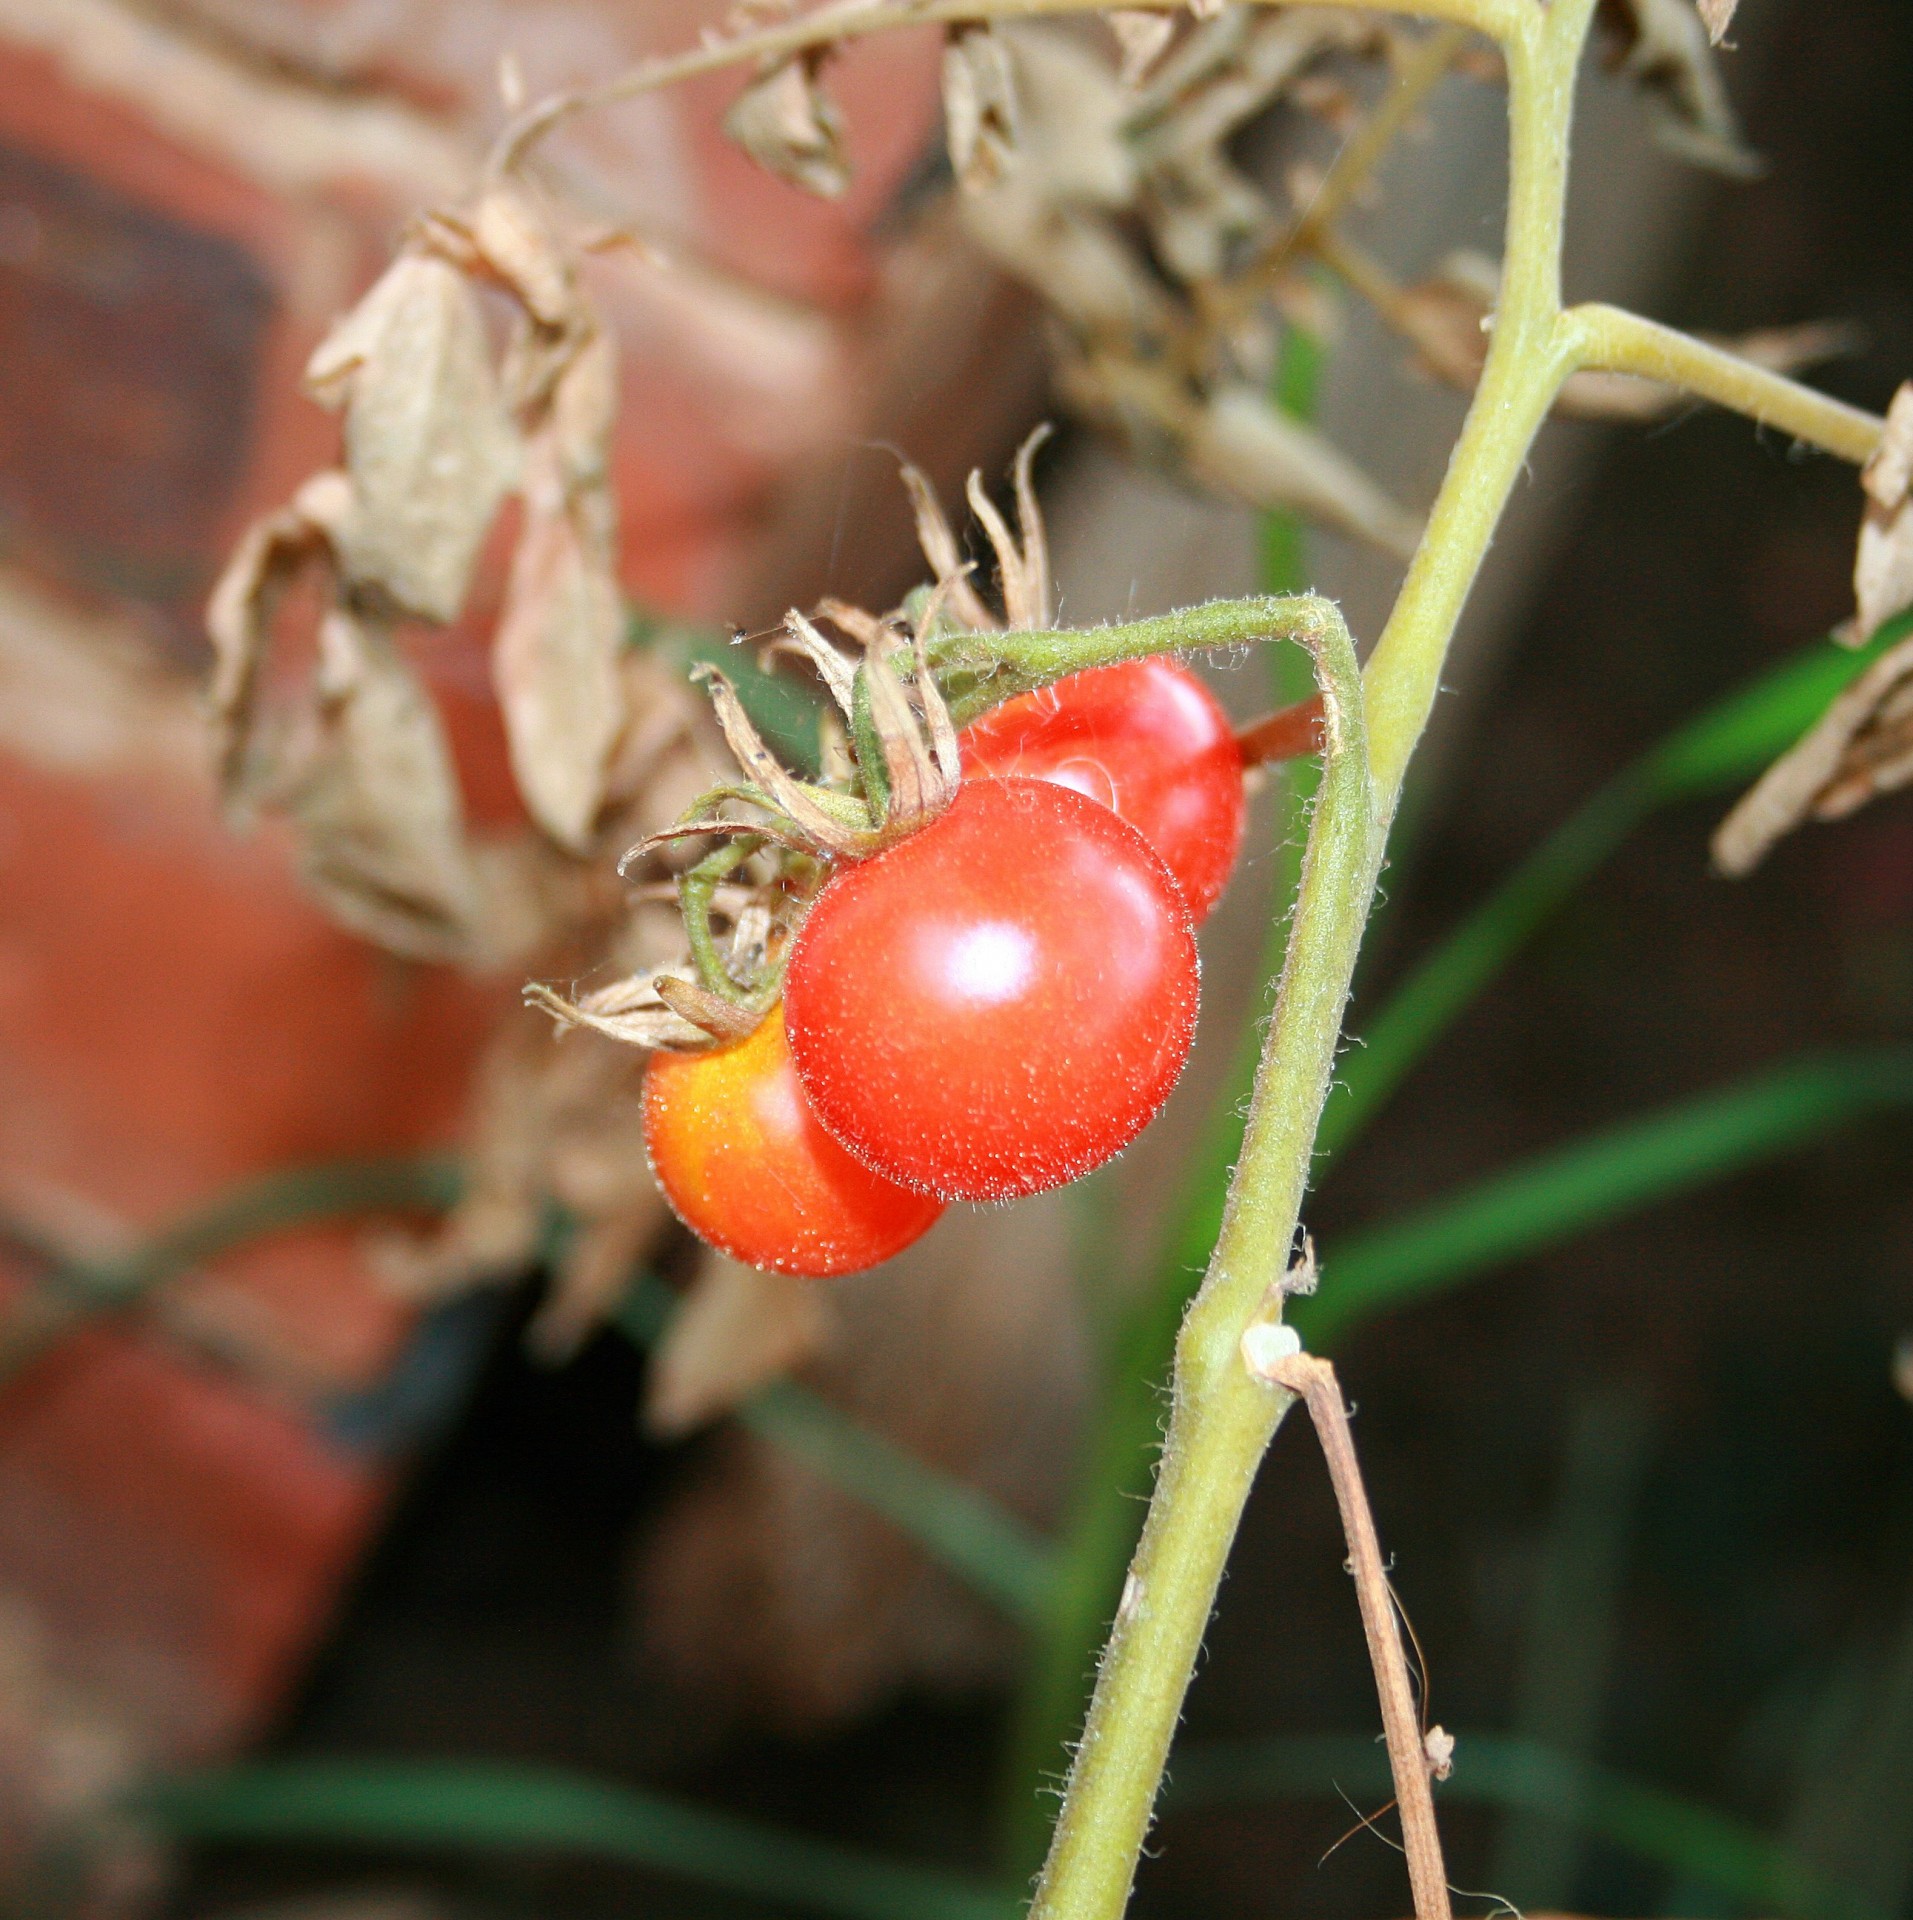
point(790, 126)
point(631, 1011)
point(1861, 747)
point(555, 660)
point(1244, 446)
point(1717, 16)
point(1665, 51)
point(1141, 37)
point(736, 1331)
point(979, 106)
point(428, 445)
point(1883, 564)
point(382, 837)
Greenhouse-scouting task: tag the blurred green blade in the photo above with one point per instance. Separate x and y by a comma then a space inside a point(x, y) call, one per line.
point(1739, 735)
point(979, 1541)
point(1454, 976)
point(1732, 741)
point(1612, 1172)
point(1493, 1770)
point(498, 1807)
point(983, 1543)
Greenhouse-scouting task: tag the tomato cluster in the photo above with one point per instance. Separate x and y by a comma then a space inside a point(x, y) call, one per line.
point(989, 1008)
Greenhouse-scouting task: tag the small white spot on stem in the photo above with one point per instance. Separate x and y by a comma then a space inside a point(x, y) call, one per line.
point(1266, 1344)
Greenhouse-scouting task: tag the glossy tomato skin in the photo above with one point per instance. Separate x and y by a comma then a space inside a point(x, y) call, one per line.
point(999, 1003)
point(745, 1165)
point(1146, 739)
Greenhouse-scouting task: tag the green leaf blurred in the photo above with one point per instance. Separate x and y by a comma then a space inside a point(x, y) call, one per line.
point(1730, 743)
point(982, 1543)
point(1614, 1171)
point(497, 1807)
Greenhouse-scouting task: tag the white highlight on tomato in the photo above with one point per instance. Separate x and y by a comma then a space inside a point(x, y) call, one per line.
point(991, 963)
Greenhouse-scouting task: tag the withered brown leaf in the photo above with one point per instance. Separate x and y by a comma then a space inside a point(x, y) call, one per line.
point(1883, 564)
point(790, 126)
point(979, 106)
point(1666, 52)
point(381, 822)
point(555, 657)
point(1860, 748)
point(1717, 16)
point(428, 444)
point(736, 1332)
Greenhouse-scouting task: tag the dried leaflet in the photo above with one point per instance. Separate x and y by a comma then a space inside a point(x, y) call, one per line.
point(428, 445)
point(1883, 564)
point(1141, 37)
point(239, 621)
point(736, 1332)
point(1666, 52)
point(979, 106)
point(790, 126)
point(1717, 16)
point(383, 839)
point(555, 663)
point(555, 658)
point(1862, 747)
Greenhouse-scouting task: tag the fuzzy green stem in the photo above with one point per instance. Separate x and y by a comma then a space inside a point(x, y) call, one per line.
point(1221, 1417)
point(1615, 341)
point(978, 671)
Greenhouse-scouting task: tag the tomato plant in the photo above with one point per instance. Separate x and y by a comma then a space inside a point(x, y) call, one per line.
point(999, 1003)
point(745, 1165)
point(1149, 741)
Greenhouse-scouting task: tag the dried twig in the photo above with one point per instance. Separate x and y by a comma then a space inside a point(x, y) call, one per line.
point(1411, 1759)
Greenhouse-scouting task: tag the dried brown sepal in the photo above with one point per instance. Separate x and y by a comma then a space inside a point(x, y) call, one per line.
point(1861, 747)
point(377, 802)
point(429, 445)
point(1883, 563)
point(980, 108)
point(722, 1019)
point(1665, 50)
point(631, 1011)
point(920, 785)
point(790, 126)
point(805, 807)
point(838, 674)
point(863, 626)
point(736, 1332)
point(939, 545)
point(1022, 566)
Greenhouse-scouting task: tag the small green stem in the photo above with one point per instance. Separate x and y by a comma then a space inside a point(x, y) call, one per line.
point(978, 671)
point(697, 888)
point(1614, 341)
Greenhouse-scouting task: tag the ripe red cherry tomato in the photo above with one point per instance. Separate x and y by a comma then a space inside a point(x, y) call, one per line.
point(1145, 738)
point(999, 1003)
point(745, 1165)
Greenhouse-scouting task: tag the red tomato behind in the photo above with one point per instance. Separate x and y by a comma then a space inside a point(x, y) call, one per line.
point(1145, 738)
point(746, 1167)
point(999, 1003)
